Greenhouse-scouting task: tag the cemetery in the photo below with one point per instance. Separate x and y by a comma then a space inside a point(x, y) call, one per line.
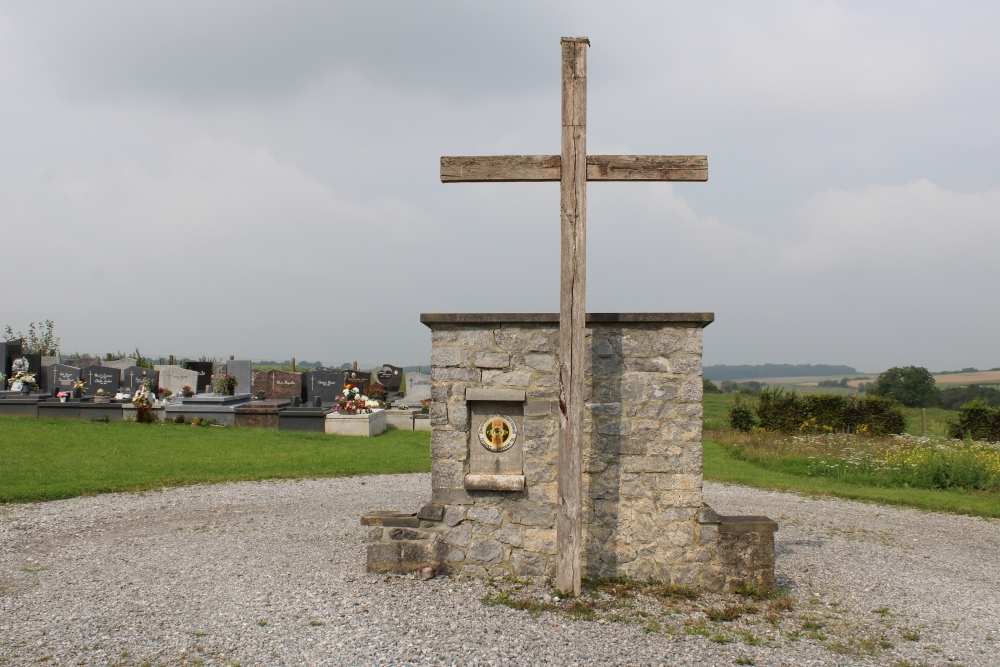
point(313, 400)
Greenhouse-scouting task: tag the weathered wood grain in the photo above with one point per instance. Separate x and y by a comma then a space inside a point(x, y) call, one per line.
point(535, 168)
point(572, 316)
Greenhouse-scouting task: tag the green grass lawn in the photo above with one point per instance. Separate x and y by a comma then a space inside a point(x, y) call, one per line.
point(47, 459)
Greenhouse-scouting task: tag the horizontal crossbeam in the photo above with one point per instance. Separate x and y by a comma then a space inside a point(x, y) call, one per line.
point(514, 168)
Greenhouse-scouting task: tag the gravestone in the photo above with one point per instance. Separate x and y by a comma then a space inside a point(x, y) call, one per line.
point(61, 377)
point(259, 382)
point(418, 388)
point(101, 377)
point(284, 384)
point(325, 385)
point(119, 364)
point(204, 369)
point(82, 362)
point(9, 350)
point(390, 377)
point(176, 378)
point(133, 376)
point(242, 369)
point(360, 379)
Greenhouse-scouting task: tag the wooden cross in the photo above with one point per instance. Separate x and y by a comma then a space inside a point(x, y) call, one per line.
point(573, 169)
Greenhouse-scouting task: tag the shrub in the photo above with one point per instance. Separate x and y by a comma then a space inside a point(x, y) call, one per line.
point(225, 385)
point(709, 387)
point(977, 421)
point(780, 411)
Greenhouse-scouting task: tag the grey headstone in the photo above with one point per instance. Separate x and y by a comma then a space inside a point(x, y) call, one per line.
point(82, 362)
point(102, 377)
point(243, 370)
point(120, 364)
point(175, 378)
point(418, 387)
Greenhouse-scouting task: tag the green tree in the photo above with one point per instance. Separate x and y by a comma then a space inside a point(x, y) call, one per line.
point(913, 386)
point(41, 340)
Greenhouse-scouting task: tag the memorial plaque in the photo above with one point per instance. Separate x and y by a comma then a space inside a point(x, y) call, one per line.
point(133, 376)
point(102, 377)
point(325, 385)
point(496, 440)
point(284, 384)
point(61, 377)
point(204, 369)
point(389, 376)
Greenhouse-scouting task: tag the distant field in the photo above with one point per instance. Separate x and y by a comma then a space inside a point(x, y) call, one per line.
point(982, 377)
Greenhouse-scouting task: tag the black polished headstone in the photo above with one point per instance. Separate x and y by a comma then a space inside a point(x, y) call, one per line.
point(9, 350)
point(324, 384)
point(61, 377)
point(101, 377)
point(204, 370)
point(133, 376)
point(360, 379)
point(390, 377)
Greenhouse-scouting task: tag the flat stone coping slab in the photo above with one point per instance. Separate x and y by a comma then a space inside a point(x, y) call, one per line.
point(747, 524)
point(700, 319)
point(480, 482)
point(494, 394)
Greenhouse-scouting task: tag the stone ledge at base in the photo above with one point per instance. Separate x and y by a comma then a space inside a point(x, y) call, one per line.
point(479, 482)
point(746, 552)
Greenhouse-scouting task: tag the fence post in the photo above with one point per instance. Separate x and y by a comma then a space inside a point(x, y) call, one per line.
point(923, 421)
point(293, 364)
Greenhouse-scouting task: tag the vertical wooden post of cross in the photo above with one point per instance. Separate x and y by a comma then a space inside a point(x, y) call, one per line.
point(572, 312)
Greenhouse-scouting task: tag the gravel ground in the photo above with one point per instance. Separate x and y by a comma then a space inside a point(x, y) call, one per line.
point(273, 573)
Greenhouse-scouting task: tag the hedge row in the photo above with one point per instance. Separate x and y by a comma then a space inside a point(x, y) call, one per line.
point(788, 412)
point(977, 421)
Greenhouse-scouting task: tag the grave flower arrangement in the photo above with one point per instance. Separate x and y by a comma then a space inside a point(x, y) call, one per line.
point(187, 391)
point(225, 385)
point(80, 386)
point(23, 379)
point(143, 402)
point(354, 402)
point(62, 396)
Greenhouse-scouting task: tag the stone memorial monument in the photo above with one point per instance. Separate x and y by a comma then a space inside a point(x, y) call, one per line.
point(570, 444)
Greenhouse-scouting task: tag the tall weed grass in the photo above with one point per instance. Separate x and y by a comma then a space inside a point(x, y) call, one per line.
point(897, 461)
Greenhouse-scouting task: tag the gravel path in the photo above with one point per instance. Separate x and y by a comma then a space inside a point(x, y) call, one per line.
point(273, 573)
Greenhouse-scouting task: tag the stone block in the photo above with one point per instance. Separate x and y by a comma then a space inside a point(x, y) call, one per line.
point(476, 339)
point(491, 482)
point(648, 364)
point(635, 345)
point(664, 389)
point(447, 474)
point(507, 378)
point(415, 552)
point(691, 390)
point(383, 558)
point(406, 534)
point(528, 513)
point(665, 344)
point(539, 342)
point(492, 360)
point(473, 572)
point(510, 536)
point(487, 515)
point(510, 340)
point(538, 408)
point(431, 513)
point(485, 551)
point(494, 394)
point(693, 342)
point(647, 464)
point(540, 362)
point(745, 551)
point(460, 536)
point(542, 541)
point(446, 356)
point(602, 367)
point(455, 374)
point(686, 575)
point(449, 445)
point(446, 552)
point(390, 519)
point(458, 415)
point(529, 565)
point(454, 515)
point(439, 414)
point(440, 336)
point(686, 365)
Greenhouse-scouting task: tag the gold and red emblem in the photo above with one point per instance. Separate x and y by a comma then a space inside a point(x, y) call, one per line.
point(497, 433)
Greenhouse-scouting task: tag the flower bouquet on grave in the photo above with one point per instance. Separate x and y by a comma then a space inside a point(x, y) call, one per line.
point(187, 391)
point(353, 402)
point(79, 388)
point(143, 404)
point(425, 406)
point(62, 396)
point(23, 381)
point(101, 396)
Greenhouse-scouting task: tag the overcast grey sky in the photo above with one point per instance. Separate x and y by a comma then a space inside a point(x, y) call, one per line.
point(261, 178)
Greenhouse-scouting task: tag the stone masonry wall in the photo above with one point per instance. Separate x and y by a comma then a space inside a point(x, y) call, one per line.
point(641, 458)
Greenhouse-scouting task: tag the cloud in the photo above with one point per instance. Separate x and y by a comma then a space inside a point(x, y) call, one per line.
point(916, 224)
